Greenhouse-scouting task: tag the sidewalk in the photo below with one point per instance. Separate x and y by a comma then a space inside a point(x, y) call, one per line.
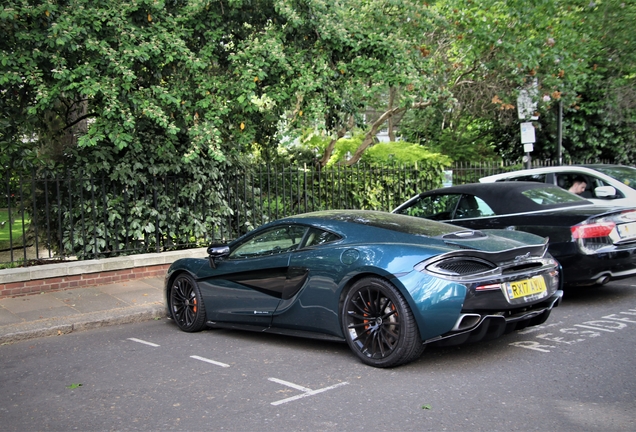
point(65, 311)
point(60, 312)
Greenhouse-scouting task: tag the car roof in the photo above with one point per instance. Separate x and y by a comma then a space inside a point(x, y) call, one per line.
point(583, 168)
point(504, 196)
point(338, 220)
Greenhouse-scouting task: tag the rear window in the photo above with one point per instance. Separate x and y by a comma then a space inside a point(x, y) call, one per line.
point(399, 223)
point(551, 195)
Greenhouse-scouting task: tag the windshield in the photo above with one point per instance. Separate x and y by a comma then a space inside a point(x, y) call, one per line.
point(624, 174)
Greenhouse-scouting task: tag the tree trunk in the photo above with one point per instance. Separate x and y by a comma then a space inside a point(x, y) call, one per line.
point(368, 138)
point(332, 144)
point(391, 122)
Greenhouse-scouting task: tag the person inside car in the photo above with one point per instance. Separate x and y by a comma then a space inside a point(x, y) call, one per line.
point(578, 185)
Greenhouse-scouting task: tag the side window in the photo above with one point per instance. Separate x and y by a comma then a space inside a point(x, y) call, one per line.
point(568, 181)
point(435, 207)
point(470, 206)
point(273, 241)
point(317, 237)
point(484, 208)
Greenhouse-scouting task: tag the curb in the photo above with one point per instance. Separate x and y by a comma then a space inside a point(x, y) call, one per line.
point(87, 321)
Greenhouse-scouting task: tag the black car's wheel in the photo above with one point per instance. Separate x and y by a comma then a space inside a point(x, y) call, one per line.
point(379, 325)
point(186, 304)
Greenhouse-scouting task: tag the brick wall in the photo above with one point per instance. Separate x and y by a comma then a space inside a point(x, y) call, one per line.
point(16, 289)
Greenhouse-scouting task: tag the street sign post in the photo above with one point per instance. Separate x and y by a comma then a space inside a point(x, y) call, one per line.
point(527, 139)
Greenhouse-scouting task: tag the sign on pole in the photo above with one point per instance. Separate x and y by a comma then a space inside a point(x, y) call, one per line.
point(527, 103)
point(527, 133)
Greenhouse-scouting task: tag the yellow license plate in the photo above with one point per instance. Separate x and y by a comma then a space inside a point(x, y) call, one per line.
point(525, 287)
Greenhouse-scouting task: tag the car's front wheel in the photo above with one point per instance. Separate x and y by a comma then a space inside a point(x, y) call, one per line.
point(378, 324)
point(186, 304)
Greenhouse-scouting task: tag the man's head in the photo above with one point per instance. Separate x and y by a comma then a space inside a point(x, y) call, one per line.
point(578, 185)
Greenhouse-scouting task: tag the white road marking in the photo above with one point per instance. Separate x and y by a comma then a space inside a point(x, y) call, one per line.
point(143, 342)
point(609, 324)
point(593, 328)
point(618, 318)
point(306, 391)
point(290, 384)
point(532, 345)
point(203, 359)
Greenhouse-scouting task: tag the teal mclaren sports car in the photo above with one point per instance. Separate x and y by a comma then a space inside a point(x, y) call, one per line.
point(387, 284)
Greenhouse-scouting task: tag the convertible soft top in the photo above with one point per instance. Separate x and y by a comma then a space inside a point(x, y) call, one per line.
point(508, 197)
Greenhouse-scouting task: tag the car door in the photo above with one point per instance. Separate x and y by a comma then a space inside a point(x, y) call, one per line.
point(310, 302)
point(248, 285)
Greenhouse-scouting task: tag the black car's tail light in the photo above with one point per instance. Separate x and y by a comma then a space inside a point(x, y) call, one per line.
point(609, 230)
point(593, 230)
point(593, 236)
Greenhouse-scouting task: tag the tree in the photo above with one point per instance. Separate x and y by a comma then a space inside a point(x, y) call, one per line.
point(493, 49)
point(350, 68)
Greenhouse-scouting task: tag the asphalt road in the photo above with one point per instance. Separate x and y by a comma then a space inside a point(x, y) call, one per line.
point(575, 373)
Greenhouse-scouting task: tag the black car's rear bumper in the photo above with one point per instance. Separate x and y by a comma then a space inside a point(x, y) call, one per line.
point(598, 268)
point(474, 327)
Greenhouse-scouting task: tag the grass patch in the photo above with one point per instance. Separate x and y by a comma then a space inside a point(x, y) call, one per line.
point(12, 231)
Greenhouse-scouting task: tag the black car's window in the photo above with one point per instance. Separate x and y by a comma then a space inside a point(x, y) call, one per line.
point(551, 195)
point(317, 237)
point(470, 206)
point(435, 207)
point(540, 178)
point(273, 241)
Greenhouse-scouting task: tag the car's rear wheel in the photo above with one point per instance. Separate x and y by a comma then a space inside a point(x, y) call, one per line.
point(186, 304)
point(379, 325)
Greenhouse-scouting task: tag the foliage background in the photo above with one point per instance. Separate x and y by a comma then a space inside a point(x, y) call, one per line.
point(204, 91)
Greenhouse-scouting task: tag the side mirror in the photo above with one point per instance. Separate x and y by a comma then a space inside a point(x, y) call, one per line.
point(216, 252)
point(608, 192)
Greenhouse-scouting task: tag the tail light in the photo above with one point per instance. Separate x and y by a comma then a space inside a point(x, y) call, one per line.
point(593, 236)
point(593, 230)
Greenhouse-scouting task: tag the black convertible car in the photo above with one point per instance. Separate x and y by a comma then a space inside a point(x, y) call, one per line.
point(594, 244)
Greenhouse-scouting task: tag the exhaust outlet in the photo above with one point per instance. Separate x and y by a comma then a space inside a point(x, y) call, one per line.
point(466, 321)
point(603, 280)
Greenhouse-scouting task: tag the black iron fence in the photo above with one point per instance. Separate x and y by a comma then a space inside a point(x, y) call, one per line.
point(49, 216)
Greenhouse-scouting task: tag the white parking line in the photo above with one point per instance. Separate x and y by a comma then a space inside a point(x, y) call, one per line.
point(203, 359)
point(289, 384)
point(306, 391)
point(143, 342)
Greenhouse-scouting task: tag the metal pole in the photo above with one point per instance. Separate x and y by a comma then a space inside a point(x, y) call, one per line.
point(560, 133)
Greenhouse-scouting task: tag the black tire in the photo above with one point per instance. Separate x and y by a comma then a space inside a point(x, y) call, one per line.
point(186, 304)
point(378, 324)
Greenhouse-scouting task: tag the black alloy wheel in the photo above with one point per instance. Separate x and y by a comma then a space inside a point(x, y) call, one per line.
point(378, 324)
point(186, 305)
